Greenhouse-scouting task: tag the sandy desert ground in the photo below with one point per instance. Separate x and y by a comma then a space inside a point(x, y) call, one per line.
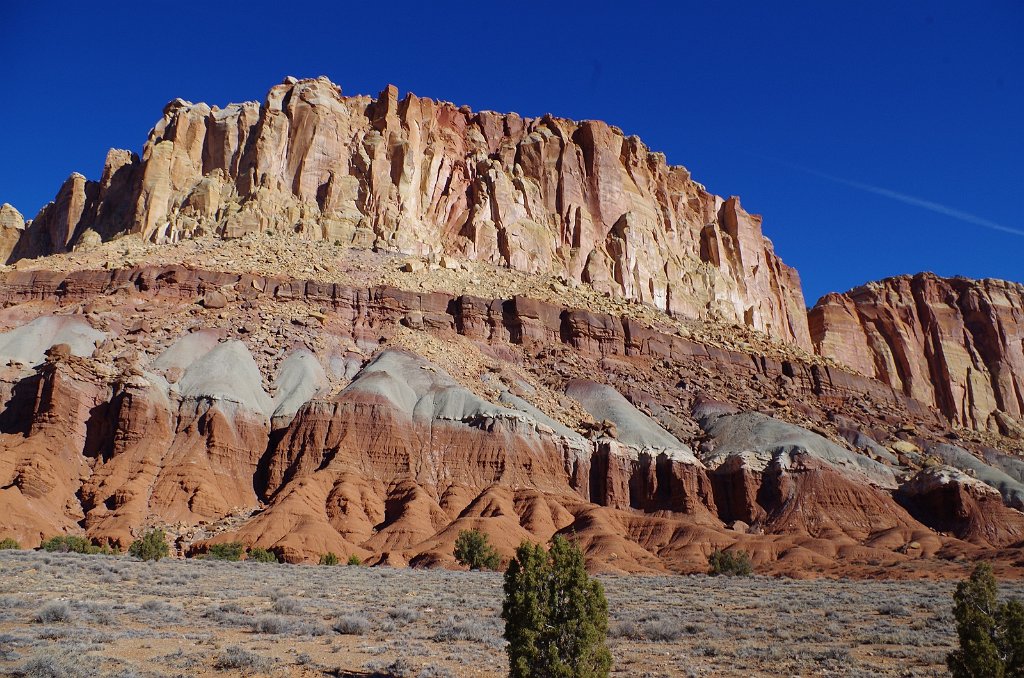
point(76, 615)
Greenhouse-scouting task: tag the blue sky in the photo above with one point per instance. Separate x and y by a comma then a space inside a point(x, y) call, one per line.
point(875, 138)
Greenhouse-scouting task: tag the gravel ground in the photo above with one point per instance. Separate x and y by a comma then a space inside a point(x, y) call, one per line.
point(75, 615)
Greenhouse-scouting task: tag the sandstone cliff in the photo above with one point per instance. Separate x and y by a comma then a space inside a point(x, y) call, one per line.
point(952, 343)
point(412, 319)
point(304, 417)
point(425, 177)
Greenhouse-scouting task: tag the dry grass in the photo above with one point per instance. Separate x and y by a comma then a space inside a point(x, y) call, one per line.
point(67, 614)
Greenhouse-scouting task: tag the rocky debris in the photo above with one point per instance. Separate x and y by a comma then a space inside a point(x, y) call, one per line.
point(214, 300)
point(952, 343)
point(538, 195)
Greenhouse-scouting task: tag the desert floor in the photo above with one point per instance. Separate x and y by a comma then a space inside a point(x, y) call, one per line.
point(77, 615)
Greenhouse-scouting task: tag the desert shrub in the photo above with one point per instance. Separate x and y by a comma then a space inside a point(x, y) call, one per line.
point(404, 614)
point(556, 617)
point(730, 563)
point(354, 560)
point(473, 629)
point(260, 555)
point(231, 550)
point(53, 664)
point(991, 633)
point(54, 611)
point(352, 625)
point(235, 657)
point(434, 672)
point(69, 543)
point(8, 543)
point(329, 558)
point(288, 606)
point(271, 624)
point(894, 609)
point(473, 549)
point(152, 546)
point(661, 630)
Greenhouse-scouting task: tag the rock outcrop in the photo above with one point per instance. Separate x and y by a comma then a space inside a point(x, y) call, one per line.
point(304, 417)
point(952, 343)
point(955, 502)
point(439, 333)
point(424, 177)
point(12, 226)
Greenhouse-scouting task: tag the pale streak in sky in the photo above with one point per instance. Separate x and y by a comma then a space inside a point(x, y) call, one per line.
point(908, 199)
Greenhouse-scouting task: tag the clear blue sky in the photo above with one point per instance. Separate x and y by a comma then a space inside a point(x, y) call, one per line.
point(803, 109)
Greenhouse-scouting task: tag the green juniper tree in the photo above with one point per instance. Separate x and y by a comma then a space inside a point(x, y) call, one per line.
point(730, 563)
point(991, 633)
point(152, 546)
point(556, 616)
point(473, 549)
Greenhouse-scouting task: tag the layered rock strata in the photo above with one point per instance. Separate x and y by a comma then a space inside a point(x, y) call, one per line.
point(280, 413)
point(424, 177)
point(953, 343)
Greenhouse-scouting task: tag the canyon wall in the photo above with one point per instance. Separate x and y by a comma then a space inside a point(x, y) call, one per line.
point(540, 195)
point(952, 343)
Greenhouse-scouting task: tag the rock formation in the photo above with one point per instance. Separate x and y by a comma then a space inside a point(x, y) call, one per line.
point(952, 343)
point(441, 331)
point(304, 417)
point(425, 177)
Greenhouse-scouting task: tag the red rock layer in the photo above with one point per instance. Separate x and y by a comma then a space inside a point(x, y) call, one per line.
point(953, 343)
point(354, 476)
point(958, 504)
point(519, 320)
point(96, 444)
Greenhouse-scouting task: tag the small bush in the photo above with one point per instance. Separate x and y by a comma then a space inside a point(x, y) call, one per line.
point(404, 614)
point(329, 558)
point(661, 630)
point(894, 610)
point(730, 563)
point(52, 664)
point(270, 624)
point(351, 625)
point(472, 629)
point(473, 549)
point(54, 611)
point(152, 546)
point(354, 560)
point(8, 543)
point(231, 550)
point(258, 555)
point(69, 543)
point(235, 657)
point(288, 606)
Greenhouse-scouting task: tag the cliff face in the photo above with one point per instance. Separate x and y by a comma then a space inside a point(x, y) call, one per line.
point(424, 177)
point(952, 343)
point(307, 397)
point(308, 417)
